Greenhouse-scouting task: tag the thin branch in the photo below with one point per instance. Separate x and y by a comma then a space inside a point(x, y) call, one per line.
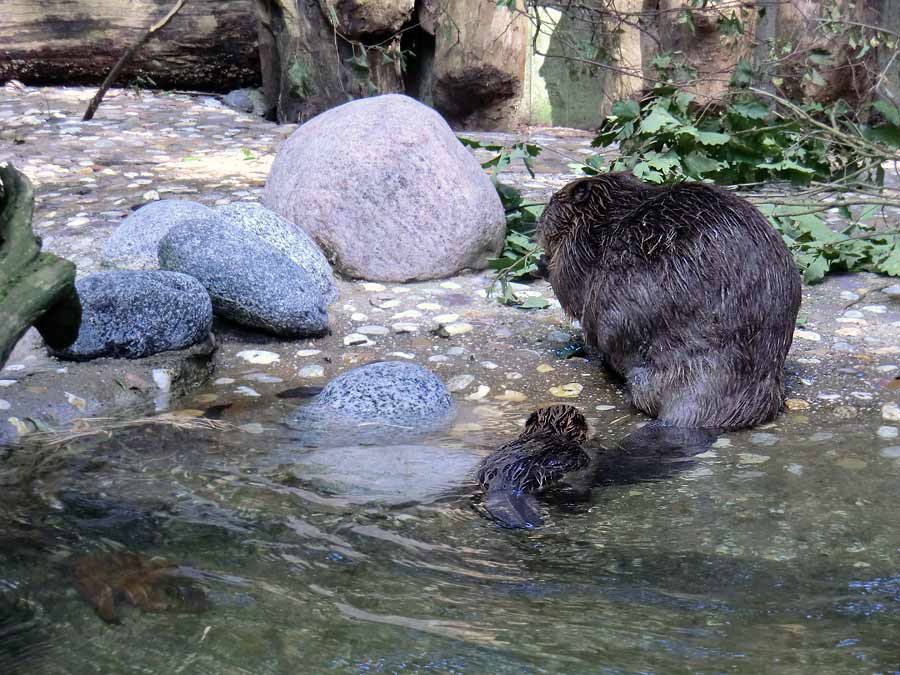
point(126, 57)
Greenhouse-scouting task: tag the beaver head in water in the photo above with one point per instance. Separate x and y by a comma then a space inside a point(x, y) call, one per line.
point(684, 290)
point(562, 420)
point(547, 455)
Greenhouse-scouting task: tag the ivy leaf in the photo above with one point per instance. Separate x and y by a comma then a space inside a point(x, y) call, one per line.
point(699, 163)
point(625, 110)
point(535, 303)
point(890, 112)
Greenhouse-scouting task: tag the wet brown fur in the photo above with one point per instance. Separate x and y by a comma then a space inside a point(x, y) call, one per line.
point(685, 291)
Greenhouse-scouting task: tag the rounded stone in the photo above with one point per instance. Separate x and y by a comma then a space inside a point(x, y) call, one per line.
point(389, 392)
point(286, 237)
point(134, 243)
point(388, 191)
point(132, 314)
point(248, 280)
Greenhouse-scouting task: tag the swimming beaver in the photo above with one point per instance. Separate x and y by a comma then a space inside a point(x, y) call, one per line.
point(684, 290)
point(548, 454)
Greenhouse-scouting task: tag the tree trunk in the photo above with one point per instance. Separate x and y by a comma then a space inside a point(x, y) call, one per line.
point(211, 45)
point(35, 288)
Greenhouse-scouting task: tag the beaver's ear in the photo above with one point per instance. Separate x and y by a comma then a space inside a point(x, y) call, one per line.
point(580, 192)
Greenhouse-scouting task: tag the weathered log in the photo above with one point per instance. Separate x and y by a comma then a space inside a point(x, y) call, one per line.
point(210, 46)
point(35, 288)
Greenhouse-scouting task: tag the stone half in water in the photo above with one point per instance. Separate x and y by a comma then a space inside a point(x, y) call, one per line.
point(389, 474)
point(388, 397)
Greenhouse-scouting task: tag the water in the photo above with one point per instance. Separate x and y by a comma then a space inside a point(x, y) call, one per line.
point(778, 553)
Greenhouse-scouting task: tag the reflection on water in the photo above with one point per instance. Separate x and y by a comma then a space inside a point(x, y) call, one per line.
point(776, 551)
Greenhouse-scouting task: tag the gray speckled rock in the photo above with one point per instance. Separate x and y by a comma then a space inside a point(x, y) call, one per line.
point(133, 244)
point(248, 280)
point(246, 100)
point(389, 193)
point(287, 238)
point(389, 392)
point(135, 314)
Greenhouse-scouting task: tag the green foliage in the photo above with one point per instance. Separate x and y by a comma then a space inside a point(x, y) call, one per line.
point(520, 254)
point(300, 78)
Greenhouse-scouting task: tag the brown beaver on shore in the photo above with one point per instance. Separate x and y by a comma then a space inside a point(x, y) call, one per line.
point(549, 454)
point(685, 291)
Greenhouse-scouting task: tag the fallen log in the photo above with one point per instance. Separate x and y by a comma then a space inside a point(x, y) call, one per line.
point(35, 288)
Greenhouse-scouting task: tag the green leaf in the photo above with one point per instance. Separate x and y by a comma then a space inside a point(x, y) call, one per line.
point(658, 118)
point(699, 163)
point(891, 263)
point(625, 110)
point(712, 138)
point(816, 270)
point(753, 110)
point(535, 303)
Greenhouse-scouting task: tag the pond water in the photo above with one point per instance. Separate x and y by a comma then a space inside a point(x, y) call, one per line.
point(776, 551)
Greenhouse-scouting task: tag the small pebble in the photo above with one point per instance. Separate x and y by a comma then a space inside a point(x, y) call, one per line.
point(849, 332)
point(76, 401)
point(892, 291)
point(842, 347)
point(7, 383)
point(851, 463)
point(796, 469)
point(513, 396)
point(875, 309)
point(4, 404)
point(403, 328)
point(810, 361)
point(460, 382)
point(429, 306)
point(888, 368)
point(828, 397)
point(891, 452)
point(446, 318)
point(373, 287)
point(388, 304)
point(604, 408)
point(456, 351)
point(559, 336)
point(453, 329)
point(15, 366)
point(861, 395)
point(308, 352)
point(721, 443)
point(355, 339)
point(451, 285)
point(224, 380)
point(408, 314)
point(438, 358)
point(372, 329)
point(263, 377)
point(891, 412)
point(849, 295)
point(490, 365)
point(796, 404)
point(252, 428)
point(570, 390)
point(358, 316)
point(853, 314)
point(887, 432)
point(402, 355)
point(247, 391)
point(479, 393)
point(820, 436)
point(312, 370)
point(258, 356)
point(807, 335)
point(751, 458)
point(545, 368)
point(514, 376)
point(763, 439)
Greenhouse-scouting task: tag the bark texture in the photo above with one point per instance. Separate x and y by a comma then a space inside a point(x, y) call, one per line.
point(210, 45)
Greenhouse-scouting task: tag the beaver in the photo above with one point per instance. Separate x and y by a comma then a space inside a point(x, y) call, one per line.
point(549, 454)
point(685, 291)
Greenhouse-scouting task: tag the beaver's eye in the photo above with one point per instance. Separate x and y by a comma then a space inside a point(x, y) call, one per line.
point(581, 192)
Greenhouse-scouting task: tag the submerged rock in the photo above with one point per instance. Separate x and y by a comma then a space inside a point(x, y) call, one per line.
point(393, 474)
point(134, 243)
point(246, 100)
point(286, 237)
point(249, 281)
point(133, 314)
point(387, 190)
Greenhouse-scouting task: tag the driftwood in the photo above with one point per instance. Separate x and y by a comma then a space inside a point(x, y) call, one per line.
point(126, 57)
point(35, 288)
